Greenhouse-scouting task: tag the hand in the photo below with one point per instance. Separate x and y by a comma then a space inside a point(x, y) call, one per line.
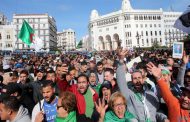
point(155, 71)
point(122, 53)
point(101, 108)
point(39, 117)
point(185, 58)
point(166, 120)
point(64, 68)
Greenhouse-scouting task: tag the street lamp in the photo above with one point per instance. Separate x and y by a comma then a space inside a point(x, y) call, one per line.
point(138, 37)
point(170, 38)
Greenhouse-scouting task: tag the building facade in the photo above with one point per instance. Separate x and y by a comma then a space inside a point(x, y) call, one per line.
point(133, 28)
point(3, 19)
point(66, 40)
point(44, 26)
point(7, 37)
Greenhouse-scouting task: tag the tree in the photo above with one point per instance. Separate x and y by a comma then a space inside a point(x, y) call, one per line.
point(79, 44)
point(155, 45)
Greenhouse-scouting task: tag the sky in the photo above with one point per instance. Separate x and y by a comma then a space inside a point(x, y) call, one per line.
point(75, 14)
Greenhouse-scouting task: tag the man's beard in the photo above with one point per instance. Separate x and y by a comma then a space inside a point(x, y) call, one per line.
point(51, 99)
point(138, 87)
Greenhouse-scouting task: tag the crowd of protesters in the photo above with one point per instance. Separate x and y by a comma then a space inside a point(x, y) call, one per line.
point(99, 88)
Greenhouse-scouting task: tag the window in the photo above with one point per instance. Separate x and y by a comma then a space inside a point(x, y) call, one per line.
point(0, 36)
point(107, 29)
point(115, 28)
point(41, 32)
point(143, 42)
point(136, 17)
point(151, 40)
point(136, 25)
point(138, 41)
point(150, 25)
point(8, 36)
point(155, 33)
point(160, 33)
point(146, 33)
point(151, 33)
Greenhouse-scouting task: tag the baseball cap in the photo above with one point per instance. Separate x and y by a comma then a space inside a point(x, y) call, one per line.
point(106, 84)
point(40, 69)
point(49, 70)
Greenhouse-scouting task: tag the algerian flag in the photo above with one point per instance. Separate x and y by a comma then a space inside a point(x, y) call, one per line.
point(28, 36)
point(183, 22)
point(26, 33)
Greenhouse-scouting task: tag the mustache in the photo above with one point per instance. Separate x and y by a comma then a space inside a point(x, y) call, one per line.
point(138, 83)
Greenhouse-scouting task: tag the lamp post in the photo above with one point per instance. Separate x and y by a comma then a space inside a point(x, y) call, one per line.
point(138, 38)
point(170, 38)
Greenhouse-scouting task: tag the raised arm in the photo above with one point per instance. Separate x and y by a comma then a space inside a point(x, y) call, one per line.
point(120, 75)
point(181, 73)
point(164, 88)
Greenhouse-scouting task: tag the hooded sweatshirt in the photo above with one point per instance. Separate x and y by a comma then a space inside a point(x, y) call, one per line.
point(22, 115)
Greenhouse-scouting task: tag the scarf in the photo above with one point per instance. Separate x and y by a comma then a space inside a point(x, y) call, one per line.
point(111, 117)
point(142, 99)
point(70, 118)
point(89, 103)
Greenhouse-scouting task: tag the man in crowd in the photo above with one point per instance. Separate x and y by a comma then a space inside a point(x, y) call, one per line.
point(47, 106)
point(23, 77)
point(84, 68)
point(142, 102)
point(11, 110)
point(22, 95)
point(61, 71)
point(93, 81)
point(178, 109)
point(109, 76)
point(100, 72)
point(85, 95)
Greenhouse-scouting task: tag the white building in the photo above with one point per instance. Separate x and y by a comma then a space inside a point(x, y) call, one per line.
point(131, 28)
point(86, 43)
point(66, 39)
point(7, 37)
point(44, 26)
point(3, 19)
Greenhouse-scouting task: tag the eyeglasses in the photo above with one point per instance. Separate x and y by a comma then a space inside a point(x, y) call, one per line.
point(119, 105)
point(59, 106)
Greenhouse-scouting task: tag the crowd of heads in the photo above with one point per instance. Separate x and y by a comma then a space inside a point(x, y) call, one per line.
point(89, 85)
